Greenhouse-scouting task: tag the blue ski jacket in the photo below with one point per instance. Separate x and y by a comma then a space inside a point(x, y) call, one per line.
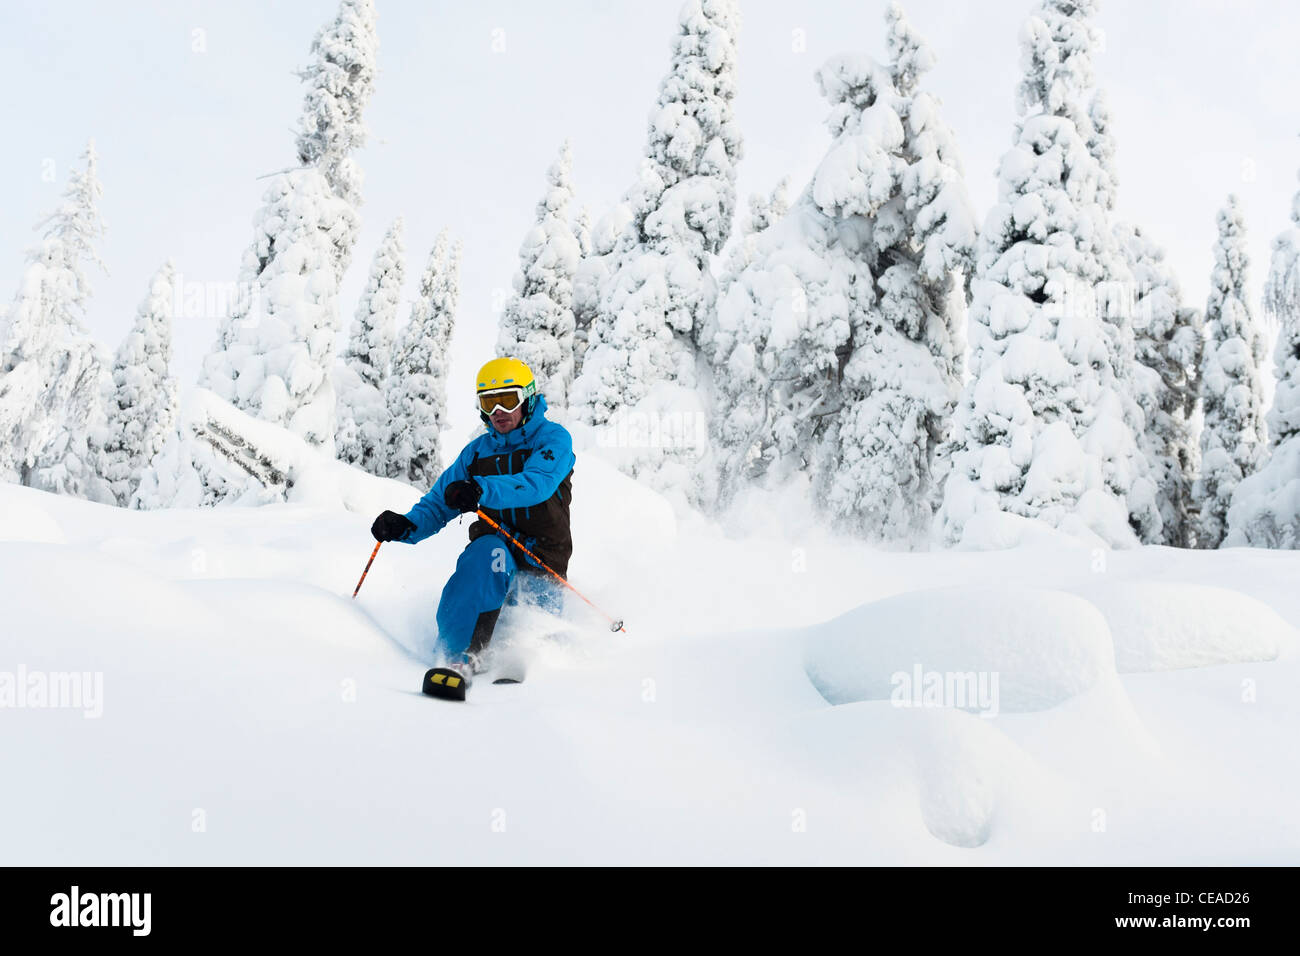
point(526, 476)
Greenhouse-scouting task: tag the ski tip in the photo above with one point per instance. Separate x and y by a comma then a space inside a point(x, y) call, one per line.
point(445, 683)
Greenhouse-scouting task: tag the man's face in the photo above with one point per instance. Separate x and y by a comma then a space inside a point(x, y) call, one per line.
point(503, 421)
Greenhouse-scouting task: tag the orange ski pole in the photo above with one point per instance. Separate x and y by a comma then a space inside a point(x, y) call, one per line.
point(614, 625)
point(368, 564)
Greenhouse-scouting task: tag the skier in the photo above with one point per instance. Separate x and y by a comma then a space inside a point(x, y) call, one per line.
point(519, 472)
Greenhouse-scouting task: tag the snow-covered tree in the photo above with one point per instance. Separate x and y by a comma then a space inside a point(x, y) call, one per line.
point(142, 403)
point(1131, 467)
point(1265, 511)
point(1169, 342)
point(784, 323)
point(838, 349)
point(275, 356)
point(875, 471)
point(781, 328)
point(363, 424)
point(1047, 425)
point(657, 288)
point(416, 393)
point(1282, 295)
point(537, 324)
point(340, 80)
point(1232, 395)
point(51, 372)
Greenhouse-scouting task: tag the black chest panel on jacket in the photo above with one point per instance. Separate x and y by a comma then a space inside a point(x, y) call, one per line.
point(546, 523)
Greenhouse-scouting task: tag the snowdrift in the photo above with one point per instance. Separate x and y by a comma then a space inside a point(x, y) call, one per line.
point(1027, 649)
point(251, 711)
point(1162, 626)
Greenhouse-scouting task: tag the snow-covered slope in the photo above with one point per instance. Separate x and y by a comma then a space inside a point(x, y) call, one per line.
point(1147, 700)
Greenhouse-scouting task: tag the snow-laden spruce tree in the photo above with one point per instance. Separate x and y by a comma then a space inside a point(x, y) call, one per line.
point(416, 393)
point(783, 324)
point(875, 469)
point(1047, 425)
point(537, 325)
point(340, 80)
point(781, 328)
point(1232, 395)
point(837, 350)
point(1265, 510)
point(1132, 469)
point(1169, 340)
point(361, 376)
point(142, 402)
point(657, 286)
point(51, 372)
point(276, 355)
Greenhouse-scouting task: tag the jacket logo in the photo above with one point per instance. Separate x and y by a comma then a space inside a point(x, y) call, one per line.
point(548, 454)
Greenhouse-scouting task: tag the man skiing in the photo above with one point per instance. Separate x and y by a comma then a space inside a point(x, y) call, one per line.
point(519, 473)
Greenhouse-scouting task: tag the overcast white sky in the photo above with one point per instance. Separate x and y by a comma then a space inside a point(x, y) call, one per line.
point(1203, 92)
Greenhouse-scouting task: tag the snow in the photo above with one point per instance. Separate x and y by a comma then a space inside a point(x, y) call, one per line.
point(245, 694)
point(870, 653)
point(1166, 625)
point(27, 521)
point(785, 693)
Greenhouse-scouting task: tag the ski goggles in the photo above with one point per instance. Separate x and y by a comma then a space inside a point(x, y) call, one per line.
point(507, 399)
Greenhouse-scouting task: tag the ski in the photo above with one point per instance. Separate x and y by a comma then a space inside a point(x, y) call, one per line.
point(445, 683)
point(510, 666)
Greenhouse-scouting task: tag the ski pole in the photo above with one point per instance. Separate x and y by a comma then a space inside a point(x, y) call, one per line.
point(614, 625)
point(368, 564)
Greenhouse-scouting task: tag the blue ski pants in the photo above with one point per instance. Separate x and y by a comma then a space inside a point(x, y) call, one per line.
point(486, 578)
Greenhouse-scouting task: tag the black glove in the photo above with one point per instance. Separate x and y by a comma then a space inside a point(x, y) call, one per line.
point(463, 495)
point(390, 526)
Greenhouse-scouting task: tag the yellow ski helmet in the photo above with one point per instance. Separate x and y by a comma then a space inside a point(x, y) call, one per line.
point(503, 375)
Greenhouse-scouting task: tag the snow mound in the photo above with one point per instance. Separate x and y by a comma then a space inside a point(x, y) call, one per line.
point(958, 776)
point(994, 530)
point(984, 650)
point(22, 518)
point(1160, 626)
